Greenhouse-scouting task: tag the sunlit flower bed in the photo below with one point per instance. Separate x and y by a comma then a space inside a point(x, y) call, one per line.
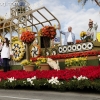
point(62, 80)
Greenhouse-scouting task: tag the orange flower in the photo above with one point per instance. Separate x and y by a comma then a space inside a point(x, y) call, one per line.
point(48, 31)
point(27, 37)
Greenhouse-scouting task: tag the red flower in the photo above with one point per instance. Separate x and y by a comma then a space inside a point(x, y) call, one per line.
point(48, 31)
point(27, 37)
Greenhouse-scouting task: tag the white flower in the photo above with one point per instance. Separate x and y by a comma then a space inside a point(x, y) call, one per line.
point(54, 80)
point(31, 80)
point(24, 82)
point(11, 79)
point(82, 78)
point(74, 77)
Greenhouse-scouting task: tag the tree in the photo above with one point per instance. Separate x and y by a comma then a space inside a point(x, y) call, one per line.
point(84, 2)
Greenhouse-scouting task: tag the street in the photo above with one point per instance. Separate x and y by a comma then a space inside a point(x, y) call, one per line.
point(45, 95)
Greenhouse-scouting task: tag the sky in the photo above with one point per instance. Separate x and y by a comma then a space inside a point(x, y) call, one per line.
point(68, 12)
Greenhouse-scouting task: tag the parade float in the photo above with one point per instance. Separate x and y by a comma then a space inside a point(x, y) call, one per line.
point(24, 21)
point(33, 45)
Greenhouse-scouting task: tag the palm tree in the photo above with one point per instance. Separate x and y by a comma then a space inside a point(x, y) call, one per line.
point(84, 2)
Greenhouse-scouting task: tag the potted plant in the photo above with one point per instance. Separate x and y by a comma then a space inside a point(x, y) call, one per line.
point(27, 65)
point(41, 64)
point(76, 62)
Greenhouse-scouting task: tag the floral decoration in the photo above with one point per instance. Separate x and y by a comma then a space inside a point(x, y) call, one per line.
point(39, 61)
point(14, 38)
point(18, 50)
point(26, 62)
point(82, 35)
point(27, 37)
point(61, 80)
point(71, 55)
point(81, 61)
point(48, 31)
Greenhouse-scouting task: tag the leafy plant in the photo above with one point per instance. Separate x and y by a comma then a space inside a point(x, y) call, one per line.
point(81, 61)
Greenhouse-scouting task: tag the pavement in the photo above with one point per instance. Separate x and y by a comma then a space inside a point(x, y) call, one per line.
point(45, 95)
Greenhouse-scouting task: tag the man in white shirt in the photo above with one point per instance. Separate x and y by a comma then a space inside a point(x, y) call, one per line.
point(69, 36)
point(91, 32)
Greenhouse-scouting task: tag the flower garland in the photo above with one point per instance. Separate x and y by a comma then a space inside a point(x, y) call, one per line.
point(27, 37)
point(48, 31)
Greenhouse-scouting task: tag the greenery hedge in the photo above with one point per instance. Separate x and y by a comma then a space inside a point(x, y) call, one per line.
point(42, 84)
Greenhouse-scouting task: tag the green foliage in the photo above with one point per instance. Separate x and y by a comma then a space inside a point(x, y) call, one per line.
point(44, 84)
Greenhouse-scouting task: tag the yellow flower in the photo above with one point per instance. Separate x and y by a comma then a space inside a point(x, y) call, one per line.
point(42, 60)
point(25, 62)
point(82, 34)
point(81, 61)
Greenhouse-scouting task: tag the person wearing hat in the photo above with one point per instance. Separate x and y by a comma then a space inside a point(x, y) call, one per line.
point(91, 32)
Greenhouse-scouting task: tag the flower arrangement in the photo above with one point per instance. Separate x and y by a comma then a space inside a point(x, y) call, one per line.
point(82, 34)
point(27, 37)
point(39, 61)
point(42, 60)
point(48, 31)
point(81, 61)
point(26, 62)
